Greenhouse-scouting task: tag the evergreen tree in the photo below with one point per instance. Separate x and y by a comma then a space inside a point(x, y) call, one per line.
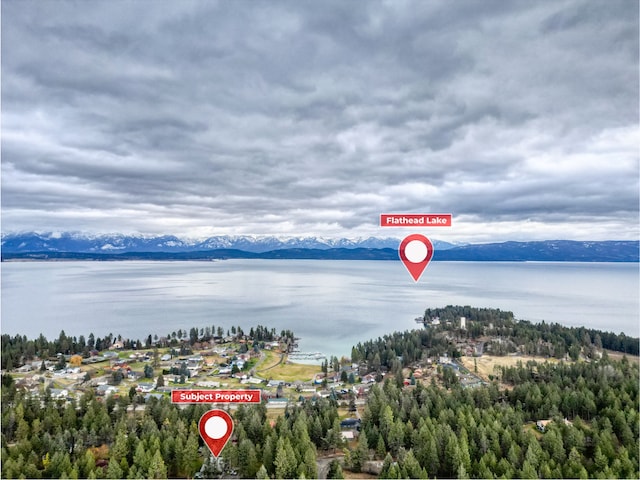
point(262, 473)
point(191, 461)
point(285, 461)
point(335, 470)
point(309, 467)
point(113, 469)
point(157, 468)
point(361, 454)
point(247, 459)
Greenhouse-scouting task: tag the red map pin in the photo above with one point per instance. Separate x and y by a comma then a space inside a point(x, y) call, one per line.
point(416, 252)
point(216, 427)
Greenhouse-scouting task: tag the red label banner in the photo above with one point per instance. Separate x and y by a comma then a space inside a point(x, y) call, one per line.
point(415, 220)
point(216, 396)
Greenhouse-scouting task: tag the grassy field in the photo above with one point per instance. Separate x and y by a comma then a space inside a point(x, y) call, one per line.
point(270, 359)
point(271, 367)
point(290, 372)
point(487, 363)
point(618, 356)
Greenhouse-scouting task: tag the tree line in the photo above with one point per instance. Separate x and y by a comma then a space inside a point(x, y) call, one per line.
point(546, 339)
point(18, 349)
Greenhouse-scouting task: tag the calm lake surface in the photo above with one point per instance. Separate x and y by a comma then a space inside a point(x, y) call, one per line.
point(331, 305)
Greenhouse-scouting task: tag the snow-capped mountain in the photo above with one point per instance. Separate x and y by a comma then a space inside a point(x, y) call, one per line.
point(118, 243)
point(121, 247)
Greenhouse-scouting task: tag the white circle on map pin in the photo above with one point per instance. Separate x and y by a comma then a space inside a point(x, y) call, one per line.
point(215, 428)
point(416, 251)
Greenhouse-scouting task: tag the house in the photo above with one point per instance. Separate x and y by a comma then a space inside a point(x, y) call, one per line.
point(59, 393)
point(542, 424)
point(252, 380)
point(369, 378)
point(119, 345)
point(208, 384)
point(106, 390)
point(194, 361)
point(348, 435)
point(351, 423)
point(94, 359)
point(145, 387)
point(132, 375)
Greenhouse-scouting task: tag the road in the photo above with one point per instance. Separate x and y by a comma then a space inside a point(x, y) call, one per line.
point(323, 463)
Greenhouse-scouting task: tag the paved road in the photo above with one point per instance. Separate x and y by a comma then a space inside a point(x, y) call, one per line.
point(324, 461)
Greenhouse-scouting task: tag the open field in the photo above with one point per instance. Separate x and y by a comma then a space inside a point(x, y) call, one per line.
point(290, 372)
point(271, 367)
point(618, 356)
point(487, 363)
point(269, 360)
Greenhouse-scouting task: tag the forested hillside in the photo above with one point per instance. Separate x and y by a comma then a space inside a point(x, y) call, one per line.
point(561, 406)
point(95, 439)
point(490, 432)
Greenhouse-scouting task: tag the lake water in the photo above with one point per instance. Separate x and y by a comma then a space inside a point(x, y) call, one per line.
point(331, 305)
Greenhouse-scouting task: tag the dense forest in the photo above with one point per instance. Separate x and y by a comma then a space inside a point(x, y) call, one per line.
point(420, 432)
point(575, 418)
point(490, 432)
point(102, 439)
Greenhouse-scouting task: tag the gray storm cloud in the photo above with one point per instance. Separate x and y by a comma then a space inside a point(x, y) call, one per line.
point(301, 118)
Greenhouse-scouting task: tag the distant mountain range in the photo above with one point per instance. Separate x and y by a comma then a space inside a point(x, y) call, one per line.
point(82, 243)
point(36, 246)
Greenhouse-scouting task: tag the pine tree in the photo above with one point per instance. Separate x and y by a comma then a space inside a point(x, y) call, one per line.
point(334, 435)
point(157, 468)
point(411, 466)
point(262, 473)
point(309, 467)
point(140, 458)
point(396, 437)
point(335, 470)
point(190, 458)
point(114, 470)
point(462, 472)
point(285, 462)
point(361, 454)
point(452, 456)
point(269, 453)
point(247, 459)
point(528, 471)
point(381, 448)
point(121, 446)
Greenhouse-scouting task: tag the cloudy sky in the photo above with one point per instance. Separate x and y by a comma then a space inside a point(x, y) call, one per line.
point(313, 118)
